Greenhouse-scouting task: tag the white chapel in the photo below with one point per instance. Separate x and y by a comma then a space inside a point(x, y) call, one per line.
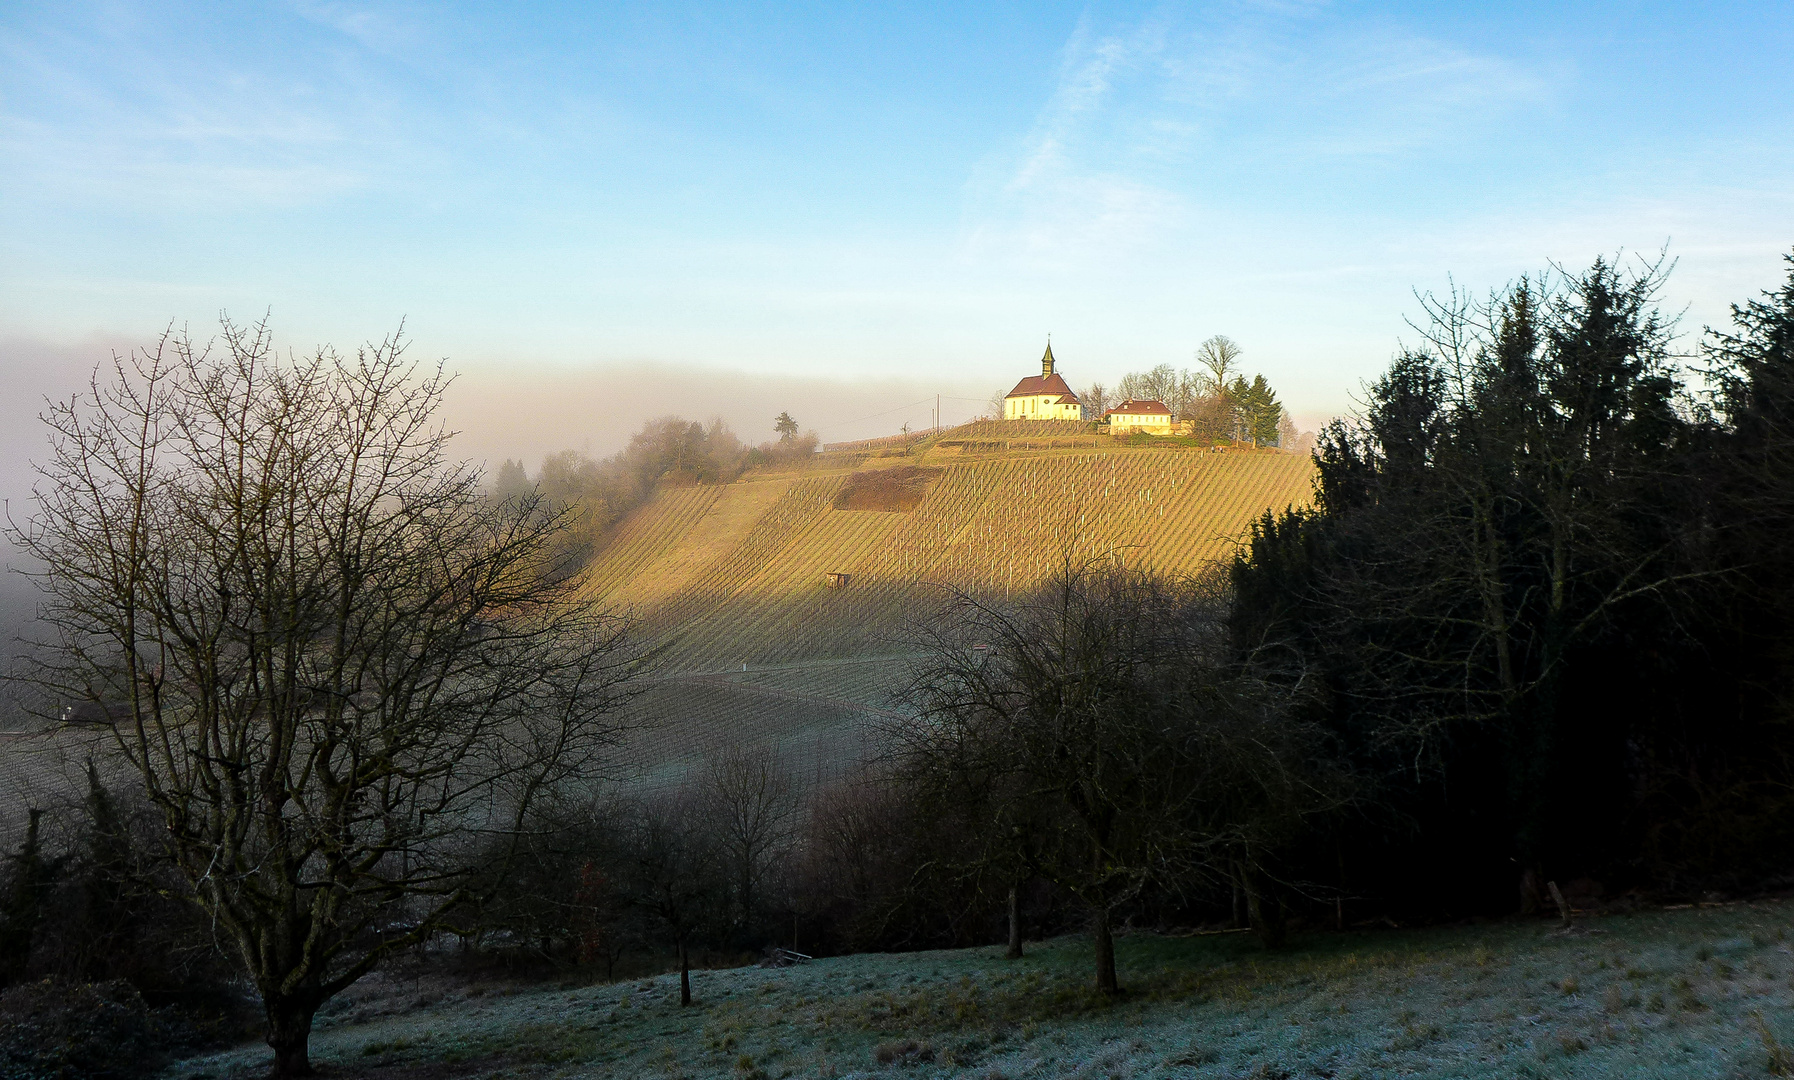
point(1043, 397)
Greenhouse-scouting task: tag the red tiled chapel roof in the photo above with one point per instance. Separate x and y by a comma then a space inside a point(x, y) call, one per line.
point(1038, 385)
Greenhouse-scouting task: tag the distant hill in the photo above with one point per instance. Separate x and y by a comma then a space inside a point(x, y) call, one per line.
point(734, 574)
point(739, 574)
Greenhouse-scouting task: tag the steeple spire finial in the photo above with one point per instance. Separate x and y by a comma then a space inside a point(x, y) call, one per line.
point(1046, 362)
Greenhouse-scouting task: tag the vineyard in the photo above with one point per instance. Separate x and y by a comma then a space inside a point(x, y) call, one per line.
point(735, 575)
point(759, 649)
point(47, 770)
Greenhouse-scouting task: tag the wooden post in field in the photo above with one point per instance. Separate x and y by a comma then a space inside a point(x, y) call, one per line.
point(1563, 907)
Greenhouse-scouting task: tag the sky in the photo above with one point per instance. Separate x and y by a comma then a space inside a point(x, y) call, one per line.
point(600, 213)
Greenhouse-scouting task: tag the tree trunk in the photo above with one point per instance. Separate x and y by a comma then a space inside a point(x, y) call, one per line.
point(1015, 924)
point(1339, 901)
point(1531, 895)
point(289, 1034)
point(1105, 955)
point(1265, 913)
point(684, 973)
point(747, 904)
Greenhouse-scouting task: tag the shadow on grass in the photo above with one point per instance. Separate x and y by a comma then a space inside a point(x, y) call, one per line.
point(1055, 982)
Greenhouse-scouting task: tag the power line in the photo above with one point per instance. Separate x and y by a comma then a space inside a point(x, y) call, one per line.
point(899, 408)
point(876, 415)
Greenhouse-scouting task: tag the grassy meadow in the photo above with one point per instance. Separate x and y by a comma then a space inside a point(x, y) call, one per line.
point(1697, 992)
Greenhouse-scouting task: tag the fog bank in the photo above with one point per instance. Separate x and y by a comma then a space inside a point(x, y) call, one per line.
point(526, 411)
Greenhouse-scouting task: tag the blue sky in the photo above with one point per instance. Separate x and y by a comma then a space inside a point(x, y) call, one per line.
point(890, 201)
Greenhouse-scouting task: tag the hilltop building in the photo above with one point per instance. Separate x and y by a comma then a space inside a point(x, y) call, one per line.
point(1043, 397)
point(1130, 416)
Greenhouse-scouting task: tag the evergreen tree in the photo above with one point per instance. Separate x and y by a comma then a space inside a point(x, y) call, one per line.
point(1256, 410)
point(30, 875)
point(1500, 555)
point(112, 888)
point(1260, 412)
point(510, 482)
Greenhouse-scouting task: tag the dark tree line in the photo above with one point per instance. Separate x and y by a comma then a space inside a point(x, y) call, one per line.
point(1099, 736)
point(1535, 629)
point(1541, 600)
point(735, 860)
point(105, 968)
point(703, 864)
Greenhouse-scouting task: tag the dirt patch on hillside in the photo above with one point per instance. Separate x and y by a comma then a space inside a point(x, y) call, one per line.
point(896, 489)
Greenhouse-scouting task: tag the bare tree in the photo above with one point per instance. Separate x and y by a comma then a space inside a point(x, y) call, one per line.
point(1096, 401)
point(1107, 722)
point(29, 875)
point(857, 859)
point(674, 871)
point(1288, 436)
point(1212, 417)
point(1220, 354)
point(986, 829)
point(342, 670)
point(753, 809)
point(1164, 383)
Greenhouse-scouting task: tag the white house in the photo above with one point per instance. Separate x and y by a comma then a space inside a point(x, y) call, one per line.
point(1130, 416)
point(1043, 397)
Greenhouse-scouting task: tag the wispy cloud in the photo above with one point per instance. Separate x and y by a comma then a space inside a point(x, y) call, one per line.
point(134, 118)
point(387, 29)
point(1152, 127)
point(1050, 196)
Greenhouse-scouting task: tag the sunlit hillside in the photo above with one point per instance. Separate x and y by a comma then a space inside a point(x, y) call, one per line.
point(761, 644)
point(760, 650)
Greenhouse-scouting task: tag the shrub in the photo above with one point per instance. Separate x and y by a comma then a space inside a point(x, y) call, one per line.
point(56, 1029)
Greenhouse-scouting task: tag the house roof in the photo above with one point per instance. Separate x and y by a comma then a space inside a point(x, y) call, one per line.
point(1131, 407)
point(1038, 385)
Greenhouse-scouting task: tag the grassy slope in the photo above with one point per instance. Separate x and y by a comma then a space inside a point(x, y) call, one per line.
point(1660, 994)
point(734, 575)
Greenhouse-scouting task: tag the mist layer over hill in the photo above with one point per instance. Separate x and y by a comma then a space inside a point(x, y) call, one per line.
point(499, 410)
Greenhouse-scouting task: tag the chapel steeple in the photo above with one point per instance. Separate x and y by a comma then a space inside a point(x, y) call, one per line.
point(1044, 396)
